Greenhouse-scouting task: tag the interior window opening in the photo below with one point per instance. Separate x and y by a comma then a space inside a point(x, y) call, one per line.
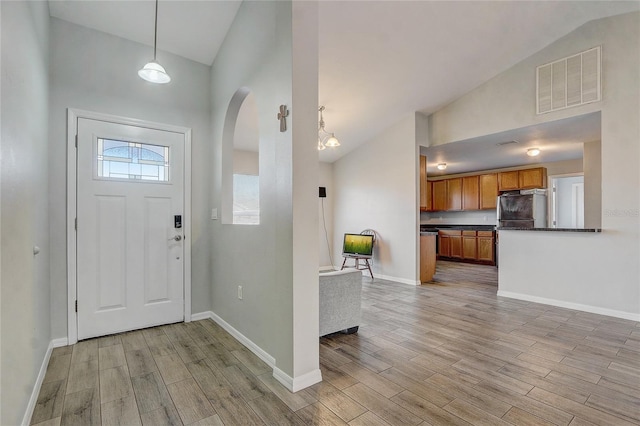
point(246, 170)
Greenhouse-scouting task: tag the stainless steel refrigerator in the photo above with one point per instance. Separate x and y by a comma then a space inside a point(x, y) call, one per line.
point(523, 210)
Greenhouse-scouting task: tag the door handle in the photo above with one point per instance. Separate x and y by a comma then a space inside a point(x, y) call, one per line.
point(176, 238)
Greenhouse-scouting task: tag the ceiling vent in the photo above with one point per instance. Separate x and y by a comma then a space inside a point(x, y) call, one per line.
point(506, 143)
point(569, 82)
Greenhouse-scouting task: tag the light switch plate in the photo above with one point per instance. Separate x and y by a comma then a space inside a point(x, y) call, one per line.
point(214, 214)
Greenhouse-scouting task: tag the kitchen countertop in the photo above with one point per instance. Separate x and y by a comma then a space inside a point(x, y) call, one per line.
point(552, 229)
point(435, 227)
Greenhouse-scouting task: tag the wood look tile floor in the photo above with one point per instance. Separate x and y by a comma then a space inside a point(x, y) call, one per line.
point(448, 352)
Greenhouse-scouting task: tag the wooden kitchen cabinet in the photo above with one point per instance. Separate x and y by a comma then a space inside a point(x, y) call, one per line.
point(508, 181)
point(485, 243)
point(439, 195)
point(532, 178)
point(470, 193)
point(444, 245)
point(454, 194)
point(469, 245)
point(427, 257)
point(456, 246)
point(423, 183)
point(429, 186)
point(488, 191)
point(522, 179)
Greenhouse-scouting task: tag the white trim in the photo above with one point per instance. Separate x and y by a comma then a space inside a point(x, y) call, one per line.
point(300, 382)
point(72, 281)
point(26, 420)
point(570, 305)
point(58, 343)
point(292, 384)
point(260, 353)
point(365, 273)
point(394, 279)
point(33, 400)
point(202, 315)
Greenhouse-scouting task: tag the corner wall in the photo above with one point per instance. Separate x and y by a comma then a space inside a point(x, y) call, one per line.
point(376, 186)
point(26, 312)
point(271, 49)
point(594, 272)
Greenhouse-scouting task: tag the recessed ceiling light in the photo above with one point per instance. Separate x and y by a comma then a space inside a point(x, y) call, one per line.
point(442, 166)
point(532, 152)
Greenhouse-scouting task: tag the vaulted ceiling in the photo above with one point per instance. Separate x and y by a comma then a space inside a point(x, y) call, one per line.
point(380, 60)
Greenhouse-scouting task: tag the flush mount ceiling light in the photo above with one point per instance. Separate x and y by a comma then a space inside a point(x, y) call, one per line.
point(153, 72)
point(325, 139)
point(442, 166)
point(532, 152)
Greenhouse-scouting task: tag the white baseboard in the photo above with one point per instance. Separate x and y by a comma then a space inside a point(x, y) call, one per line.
point(394, 279)
point(326, 268)
point(570, 305)
point(257, 350)
point(58, 343)
point(201, 315)
point(299, 383)
point(33, 400)
point(289, 382)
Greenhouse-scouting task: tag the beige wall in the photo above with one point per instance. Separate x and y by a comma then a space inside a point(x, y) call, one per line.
point(572, 267)
point(245, 162)
point(376, 188)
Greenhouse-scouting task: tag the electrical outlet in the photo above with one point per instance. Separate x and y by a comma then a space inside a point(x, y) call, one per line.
point(214, 214)
point(240, 292)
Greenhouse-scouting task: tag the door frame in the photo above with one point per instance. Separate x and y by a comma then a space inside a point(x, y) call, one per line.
point(73, 115)
point(552, 205)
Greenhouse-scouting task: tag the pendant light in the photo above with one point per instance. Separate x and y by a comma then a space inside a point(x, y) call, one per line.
point(325, 139)
point(153, 72)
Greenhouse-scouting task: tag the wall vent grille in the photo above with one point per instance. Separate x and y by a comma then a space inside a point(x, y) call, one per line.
point(568, 82)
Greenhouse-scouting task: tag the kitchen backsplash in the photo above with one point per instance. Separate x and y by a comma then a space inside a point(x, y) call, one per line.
point(481, 217)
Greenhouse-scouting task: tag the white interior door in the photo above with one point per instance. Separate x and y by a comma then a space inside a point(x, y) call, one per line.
point(130, 254)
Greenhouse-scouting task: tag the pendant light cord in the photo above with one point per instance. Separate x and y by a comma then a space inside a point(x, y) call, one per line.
point(155, 34)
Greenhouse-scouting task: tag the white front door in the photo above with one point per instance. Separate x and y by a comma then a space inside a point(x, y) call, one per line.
point(130, 250)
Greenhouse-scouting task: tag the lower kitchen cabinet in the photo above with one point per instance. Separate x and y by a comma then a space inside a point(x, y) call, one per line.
point(444, 246)
point(467, 246)
point(456, 246)
point(486, 244)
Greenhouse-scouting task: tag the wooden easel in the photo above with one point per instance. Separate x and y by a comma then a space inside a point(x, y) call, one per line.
point(357, 259)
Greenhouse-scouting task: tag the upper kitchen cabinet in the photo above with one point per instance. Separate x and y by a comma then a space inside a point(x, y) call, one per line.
point(476, 192)
point(508, 181)
point(522, 179)
point(454, 194)
point(439, 195)
point(532, 178)
point(470, 193)
point(488, 191)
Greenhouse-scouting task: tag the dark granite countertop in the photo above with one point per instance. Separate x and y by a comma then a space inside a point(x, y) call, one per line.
point(435, 227)
point(552, 229)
